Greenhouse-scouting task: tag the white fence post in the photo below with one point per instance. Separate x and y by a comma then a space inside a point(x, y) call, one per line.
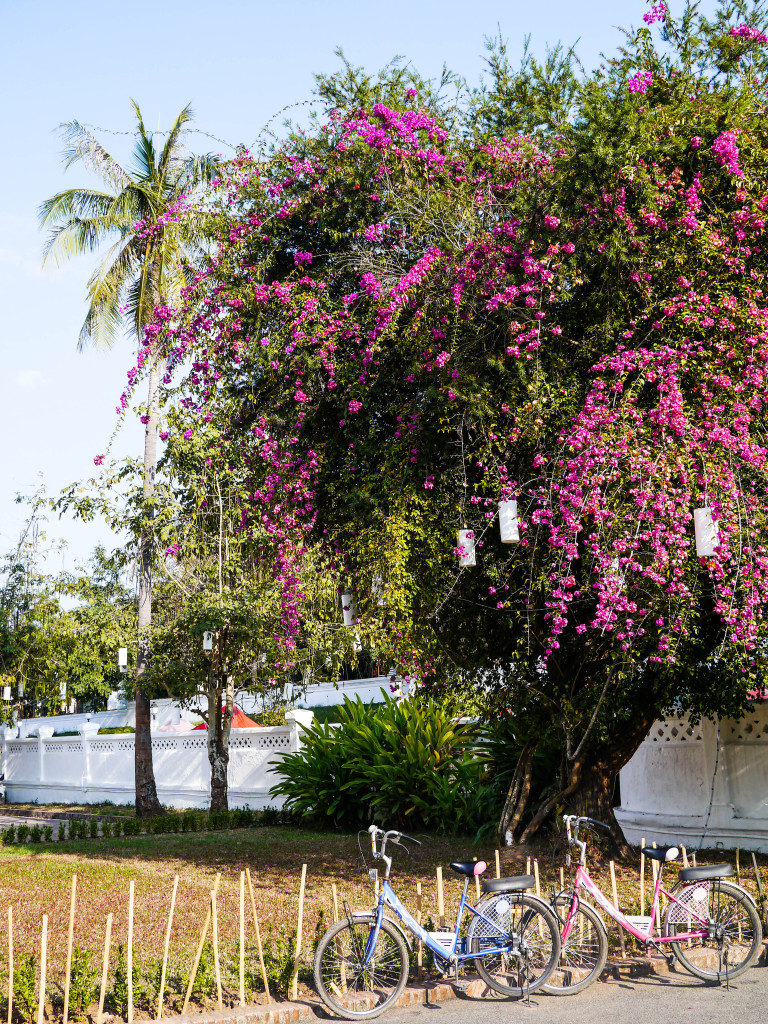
point(87, 730)
point(298, 719)
point(44, 733)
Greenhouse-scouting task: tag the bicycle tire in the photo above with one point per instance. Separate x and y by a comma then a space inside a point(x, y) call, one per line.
point(583, 954)
point(535, 948)
point(734, 913)
point(347, 987)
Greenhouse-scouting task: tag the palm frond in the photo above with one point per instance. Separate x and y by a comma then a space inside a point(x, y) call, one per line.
point(170, 161)
point(80, 144)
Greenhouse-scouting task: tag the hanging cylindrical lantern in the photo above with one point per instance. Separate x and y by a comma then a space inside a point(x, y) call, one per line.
point(377, 590)
point(207, 640)
point(349, 608)
point(6, 693)
point(467, 542)
point(707, 534)
point(21, 689)
point(63, 691)
point(510, 533)
point(122, 658)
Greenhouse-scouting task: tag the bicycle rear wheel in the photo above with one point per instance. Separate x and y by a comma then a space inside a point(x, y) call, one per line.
point(352, 984)
point(582, 954)
point(735, 933)
point(530, 932)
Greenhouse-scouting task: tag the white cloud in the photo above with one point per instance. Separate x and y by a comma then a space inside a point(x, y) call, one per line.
point(29, 380)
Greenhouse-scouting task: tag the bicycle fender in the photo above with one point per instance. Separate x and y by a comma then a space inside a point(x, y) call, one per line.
point(390, 920)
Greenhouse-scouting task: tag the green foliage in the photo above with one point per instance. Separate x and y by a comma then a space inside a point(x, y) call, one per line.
point(9, 835)
point(83, 987)
point(106, 828)
point(22, 833)
point(117, 996)
point(93, 828)
point(35, 834)
point(25, 976)
point(62, 833)
point(279, 958)
point(205, 979)
point(408, 764)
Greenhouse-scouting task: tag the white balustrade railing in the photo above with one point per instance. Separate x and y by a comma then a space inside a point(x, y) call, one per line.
point(89, 768)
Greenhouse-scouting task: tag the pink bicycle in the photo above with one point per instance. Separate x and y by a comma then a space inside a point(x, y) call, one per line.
point(711, 926)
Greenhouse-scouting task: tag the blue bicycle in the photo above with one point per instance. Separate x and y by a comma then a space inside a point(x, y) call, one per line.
point(361, 963)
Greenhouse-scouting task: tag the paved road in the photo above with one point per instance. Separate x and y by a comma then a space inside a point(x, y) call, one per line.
point(673, 997)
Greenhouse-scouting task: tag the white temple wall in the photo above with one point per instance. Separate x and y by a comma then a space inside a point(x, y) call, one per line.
point(704, 785)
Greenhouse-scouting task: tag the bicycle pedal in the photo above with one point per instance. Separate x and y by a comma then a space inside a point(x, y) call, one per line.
point(460, 986)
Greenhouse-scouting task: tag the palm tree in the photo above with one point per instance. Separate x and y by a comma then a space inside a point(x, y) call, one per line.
point(140, 271)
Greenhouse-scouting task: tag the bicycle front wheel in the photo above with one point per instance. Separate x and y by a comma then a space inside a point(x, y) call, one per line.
point(583, 954)
point(527, 930)
point(354, 982)
point(734, 934)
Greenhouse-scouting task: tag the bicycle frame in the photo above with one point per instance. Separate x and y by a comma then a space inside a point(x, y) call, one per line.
point(584, 881)
point(389, 898)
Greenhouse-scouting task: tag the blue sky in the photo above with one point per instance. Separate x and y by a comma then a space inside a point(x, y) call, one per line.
point(238, 63)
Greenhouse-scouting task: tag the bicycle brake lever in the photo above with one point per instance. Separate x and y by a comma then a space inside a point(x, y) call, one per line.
point(410, 838)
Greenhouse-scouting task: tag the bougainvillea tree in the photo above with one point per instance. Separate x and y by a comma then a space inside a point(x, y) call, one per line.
point(405, 324)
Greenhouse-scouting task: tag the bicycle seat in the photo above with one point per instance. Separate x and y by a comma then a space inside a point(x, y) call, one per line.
point(515, 883)
point(662, 853)
point(469, 867)
point(705, 871)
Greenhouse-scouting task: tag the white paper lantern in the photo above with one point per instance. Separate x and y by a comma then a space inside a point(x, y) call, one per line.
point(63, 691)
point(21, 689)
point(349, 608)
point(467, 541)
point(377, 590)
point(207, 640)
point(510, 533)
point(707, 534)
point(6, 693)
point(122, 658)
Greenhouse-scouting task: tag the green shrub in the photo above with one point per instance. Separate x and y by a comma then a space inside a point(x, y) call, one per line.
point(62, 834)
point(205, 980)
point(93, 828)
point(35, 834)
point(106, 828)
point(279, 958)
point(159, 825)
point(83, 986)
point(22, 831)
point(25, 975)
point(408, 765)
point(9, 835)
point(117, 997)
point(48, 833)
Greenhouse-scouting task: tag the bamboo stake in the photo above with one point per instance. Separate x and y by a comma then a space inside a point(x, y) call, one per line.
point(70, 933)
point(758, 879)
point(527, 865)
point(420, 946)
point(258, 932)
point(201, 943)
point(129, 951)
point(10, 963)
point(615, 893)
point(642, 878)
point(215, 937)
point(43, 970)
point(738, 872)
point(299, 928)
point(498, 865)
point(335, 904)
point(654, 867)
point(477, 880)
point(242, 938)
point(165, 948)
point(693, 856)
point(562, 880)
point(104, 969)
point(440, 899)
point(685, 856)
point(538, 889)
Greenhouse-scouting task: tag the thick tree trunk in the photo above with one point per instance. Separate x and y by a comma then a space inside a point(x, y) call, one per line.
point(590, 785)
point(147, 802)
point(219, 726)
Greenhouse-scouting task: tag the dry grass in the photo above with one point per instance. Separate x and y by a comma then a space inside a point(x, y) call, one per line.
point(37, 880)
